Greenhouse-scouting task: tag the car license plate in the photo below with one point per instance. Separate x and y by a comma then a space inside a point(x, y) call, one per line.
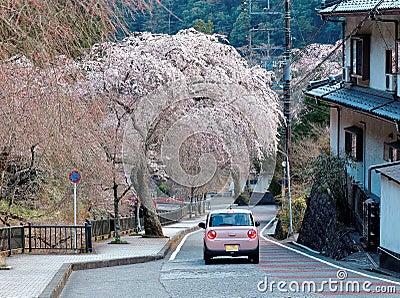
point(231, 247)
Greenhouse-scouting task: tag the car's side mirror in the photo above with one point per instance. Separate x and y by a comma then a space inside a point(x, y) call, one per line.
point(202, 225)
point(257, 224)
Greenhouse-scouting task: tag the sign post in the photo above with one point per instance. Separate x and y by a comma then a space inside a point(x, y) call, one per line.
point(74, 177)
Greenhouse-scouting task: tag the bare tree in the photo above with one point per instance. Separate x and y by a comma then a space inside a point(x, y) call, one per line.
point(41, 109)
point(111, 141)
point(41, 112)
point(42, 30)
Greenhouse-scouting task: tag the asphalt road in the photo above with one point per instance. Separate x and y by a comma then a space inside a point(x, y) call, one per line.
point(185, 276)
point(188, 276)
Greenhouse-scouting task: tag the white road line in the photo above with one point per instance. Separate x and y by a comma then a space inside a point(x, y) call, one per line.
point(306, 248)
point(178, 248)
point(268, 224)
point(326, 262)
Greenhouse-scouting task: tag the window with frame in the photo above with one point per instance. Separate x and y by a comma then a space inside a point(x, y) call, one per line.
point(392, 151)
point(360, 56)
point(353, 143)
point(396, 57)
point(390, 61)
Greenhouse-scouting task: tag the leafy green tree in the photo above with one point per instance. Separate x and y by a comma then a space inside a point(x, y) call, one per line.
point(309, 117)
point(204, 27)
point(239, 34)
point(229, 19)
point(164, 188)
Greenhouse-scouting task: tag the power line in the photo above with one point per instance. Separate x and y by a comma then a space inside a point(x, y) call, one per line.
point(312, 37)
point(296, 58)
point(351, 34)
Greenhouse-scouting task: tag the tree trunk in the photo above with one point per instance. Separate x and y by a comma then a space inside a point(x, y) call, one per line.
point(2, 260)
point(116, 211)
point(152, 225)
point(192, 200)
point(236, 184)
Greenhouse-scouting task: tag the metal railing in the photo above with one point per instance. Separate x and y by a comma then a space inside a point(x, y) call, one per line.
point(11, 239)
point(78, 238)
point(197, 206)
point(44, 238)
point(127, 223)
point(106, 226)
point(101, 227)
point(75, 238)
point(168, 217)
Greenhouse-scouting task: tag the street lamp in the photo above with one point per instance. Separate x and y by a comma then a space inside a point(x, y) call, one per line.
point(286, 165)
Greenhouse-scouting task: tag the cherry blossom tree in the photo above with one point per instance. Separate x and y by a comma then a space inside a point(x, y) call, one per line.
point(304, 66)
point(308, 142)
point(187, 91)
point(196, 111)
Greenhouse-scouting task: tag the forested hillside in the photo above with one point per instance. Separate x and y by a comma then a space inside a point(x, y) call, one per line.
point(233, 19)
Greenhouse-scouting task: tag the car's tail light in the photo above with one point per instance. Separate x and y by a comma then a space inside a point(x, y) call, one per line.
point(252, 234)
point(211, 234)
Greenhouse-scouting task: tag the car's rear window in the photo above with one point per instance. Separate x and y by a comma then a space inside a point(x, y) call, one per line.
point(231, 219)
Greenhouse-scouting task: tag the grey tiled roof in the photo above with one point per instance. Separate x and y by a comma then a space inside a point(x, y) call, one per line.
point(392, 172)
point(354, 6)
point(370, 101)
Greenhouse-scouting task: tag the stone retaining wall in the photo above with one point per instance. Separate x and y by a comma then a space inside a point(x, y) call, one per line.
point(323, 231)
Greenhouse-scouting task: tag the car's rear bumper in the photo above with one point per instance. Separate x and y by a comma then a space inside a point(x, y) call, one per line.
point(215, 253)
point(219, 244)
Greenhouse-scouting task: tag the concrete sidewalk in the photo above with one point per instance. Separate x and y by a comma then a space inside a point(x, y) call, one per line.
point(46, 275)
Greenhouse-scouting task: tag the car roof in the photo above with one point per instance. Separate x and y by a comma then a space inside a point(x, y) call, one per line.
point(233, 210)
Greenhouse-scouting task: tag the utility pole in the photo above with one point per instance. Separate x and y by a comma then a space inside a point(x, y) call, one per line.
point(247, 7)
point(287, 77)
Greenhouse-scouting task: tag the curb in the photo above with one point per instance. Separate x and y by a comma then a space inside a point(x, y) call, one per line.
point(59, 280)
point(173, 242)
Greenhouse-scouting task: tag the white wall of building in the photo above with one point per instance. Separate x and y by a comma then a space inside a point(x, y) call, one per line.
point(333, 131)
point(376, 133)
point(389, 214)
point(382, 36)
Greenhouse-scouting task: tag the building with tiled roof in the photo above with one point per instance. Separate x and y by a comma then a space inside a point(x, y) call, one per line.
point(364, 106)
point(352, 7)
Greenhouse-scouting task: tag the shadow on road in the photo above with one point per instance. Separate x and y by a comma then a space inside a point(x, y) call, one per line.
point(228, 260)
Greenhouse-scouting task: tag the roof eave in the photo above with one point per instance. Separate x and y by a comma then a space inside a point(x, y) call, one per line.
point(357, 13)
point(333, 103)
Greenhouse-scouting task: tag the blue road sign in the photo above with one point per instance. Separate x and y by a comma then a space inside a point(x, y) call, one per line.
point(74, 176)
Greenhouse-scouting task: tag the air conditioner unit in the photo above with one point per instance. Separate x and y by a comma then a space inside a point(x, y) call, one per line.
point(391, 84)
point(346, 74)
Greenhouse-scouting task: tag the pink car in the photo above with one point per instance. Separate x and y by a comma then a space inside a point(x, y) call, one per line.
point(231, 232)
